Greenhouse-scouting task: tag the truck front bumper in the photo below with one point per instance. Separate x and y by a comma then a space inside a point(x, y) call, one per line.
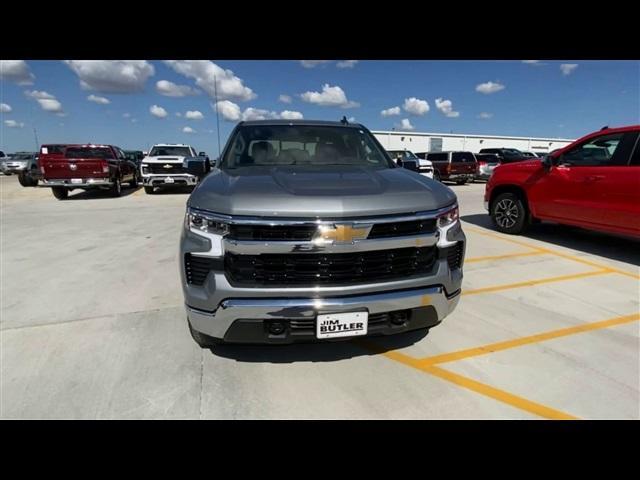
point(169, 180)
point(247, 320)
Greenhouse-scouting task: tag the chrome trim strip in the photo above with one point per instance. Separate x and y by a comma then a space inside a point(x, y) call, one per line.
point(250, 247)
point(274, 221)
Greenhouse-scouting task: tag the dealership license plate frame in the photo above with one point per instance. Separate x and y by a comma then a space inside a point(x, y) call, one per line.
point(345, 319)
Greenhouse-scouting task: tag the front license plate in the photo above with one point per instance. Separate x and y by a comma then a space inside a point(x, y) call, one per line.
point(169, 180)
point(76, 180)
point(335, 325)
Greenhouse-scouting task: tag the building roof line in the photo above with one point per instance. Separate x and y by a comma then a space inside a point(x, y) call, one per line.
point(472, 135)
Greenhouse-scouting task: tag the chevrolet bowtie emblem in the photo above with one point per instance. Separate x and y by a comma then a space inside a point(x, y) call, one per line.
point(341, 233)
point(167, 165)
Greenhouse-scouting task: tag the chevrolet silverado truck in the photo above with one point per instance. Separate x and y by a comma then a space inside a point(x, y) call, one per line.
point(308, 231)
point(86, 167)
point(172, 164)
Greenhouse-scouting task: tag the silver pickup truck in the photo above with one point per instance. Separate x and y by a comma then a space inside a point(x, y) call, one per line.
point(308, 231)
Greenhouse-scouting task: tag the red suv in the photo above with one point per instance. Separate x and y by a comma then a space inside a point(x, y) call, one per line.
point(592, 183)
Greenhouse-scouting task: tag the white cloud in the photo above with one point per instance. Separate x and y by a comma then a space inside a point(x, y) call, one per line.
point(567, 68)
point(446, 107)
point(112, 76)
point(97, 99)
point(229, 86)
point(13, 124)
point(194, 115)
point(285, 98)
point(230, 111)
point(485, 115)
point(489, 87)
point(47, 102)
point(405, 124)
point(346, 63)
point(415, 106)
point(291, 115)
point(351, 119)
point(257, 114)
point(313, 63)
point(170, 89)
point(16, 71)
point(330, 97)
point(188, 130)
point(5, 108)
point(158, 111)
point(390, 111)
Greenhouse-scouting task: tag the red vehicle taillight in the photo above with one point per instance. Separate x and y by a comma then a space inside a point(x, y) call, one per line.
point(42, 169)
point(482, 164)
point(105, 167)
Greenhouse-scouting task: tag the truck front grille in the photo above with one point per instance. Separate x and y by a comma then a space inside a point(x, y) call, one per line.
point(328, 269)
point(306, 232)
point(165, 168)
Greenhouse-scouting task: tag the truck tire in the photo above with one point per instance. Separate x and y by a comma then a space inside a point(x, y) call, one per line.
point(204, 341)
point(461, 182)
point(148, 190)
point(61, 193)
point(116, 188)
point(134, 181)
point(25, 180)
point(509, 214)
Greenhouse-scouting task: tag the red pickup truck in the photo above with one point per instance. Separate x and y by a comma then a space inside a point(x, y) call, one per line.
point(592, 183)
point(67, 167)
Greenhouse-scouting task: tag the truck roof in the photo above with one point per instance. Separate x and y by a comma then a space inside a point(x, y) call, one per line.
point(171, 145)
point(324, 123)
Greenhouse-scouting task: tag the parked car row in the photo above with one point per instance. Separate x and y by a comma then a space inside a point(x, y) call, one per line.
point(66, 167)
point(459, 166)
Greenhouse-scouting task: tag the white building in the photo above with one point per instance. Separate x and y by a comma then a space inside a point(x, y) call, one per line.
point(433, 142)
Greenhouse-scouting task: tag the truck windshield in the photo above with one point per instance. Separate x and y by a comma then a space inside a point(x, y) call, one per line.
point(160, 151)
point(303, 145)
point(88, 152)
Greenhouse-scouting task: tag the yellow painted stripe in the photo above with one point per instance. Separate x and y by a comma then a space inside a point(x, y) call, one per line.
point(473, 385)
point(500, 257)
point(553, 252)
point(530, 283)
point(495, 347)
point(499, 395)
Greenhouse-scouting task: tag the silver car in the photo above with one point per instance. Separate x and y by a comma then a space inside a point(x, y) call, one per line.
point(308, 231)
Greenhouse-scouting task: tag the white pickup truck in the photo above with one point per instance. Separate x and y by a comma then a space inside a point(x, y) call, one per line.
point(173, 164)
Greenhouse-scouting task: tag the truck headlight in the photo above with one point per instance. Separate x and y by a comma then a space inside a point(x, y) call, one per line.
point(448, 218)
point(448, 222)
point(199, 223)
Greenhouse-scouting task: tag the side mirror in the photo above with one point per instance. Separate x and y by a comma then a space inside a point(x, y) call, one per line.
point(547, 162)
point(399, 162)
point(202, 154)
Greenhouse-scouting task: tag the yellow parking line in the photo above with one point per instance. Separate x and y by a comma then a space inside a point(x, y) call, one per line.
point(473, 385)
point(495, 347)
point(530, 283)
point(554, 252)
point(500, 257)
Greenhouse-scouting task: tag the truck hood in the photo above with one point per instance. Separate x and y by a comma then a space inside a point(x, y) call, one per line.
point(327, 191)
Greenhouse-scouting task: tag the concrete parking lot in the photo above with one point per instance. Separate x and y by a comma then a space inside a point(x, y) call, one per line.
point(93, 327)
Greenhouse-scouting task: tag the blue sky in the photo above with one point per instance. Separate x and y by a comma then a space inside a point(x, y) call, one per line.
point(547, 98)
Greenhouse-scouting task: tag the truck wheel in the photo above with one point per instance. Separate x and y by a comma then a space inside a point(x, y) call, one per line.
point(134, 181)
point(509, 214)
point(24, 180)
point(204, 341)
point(60, 192)
point(461, 182)
point(116, 189)
point(148, 190)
